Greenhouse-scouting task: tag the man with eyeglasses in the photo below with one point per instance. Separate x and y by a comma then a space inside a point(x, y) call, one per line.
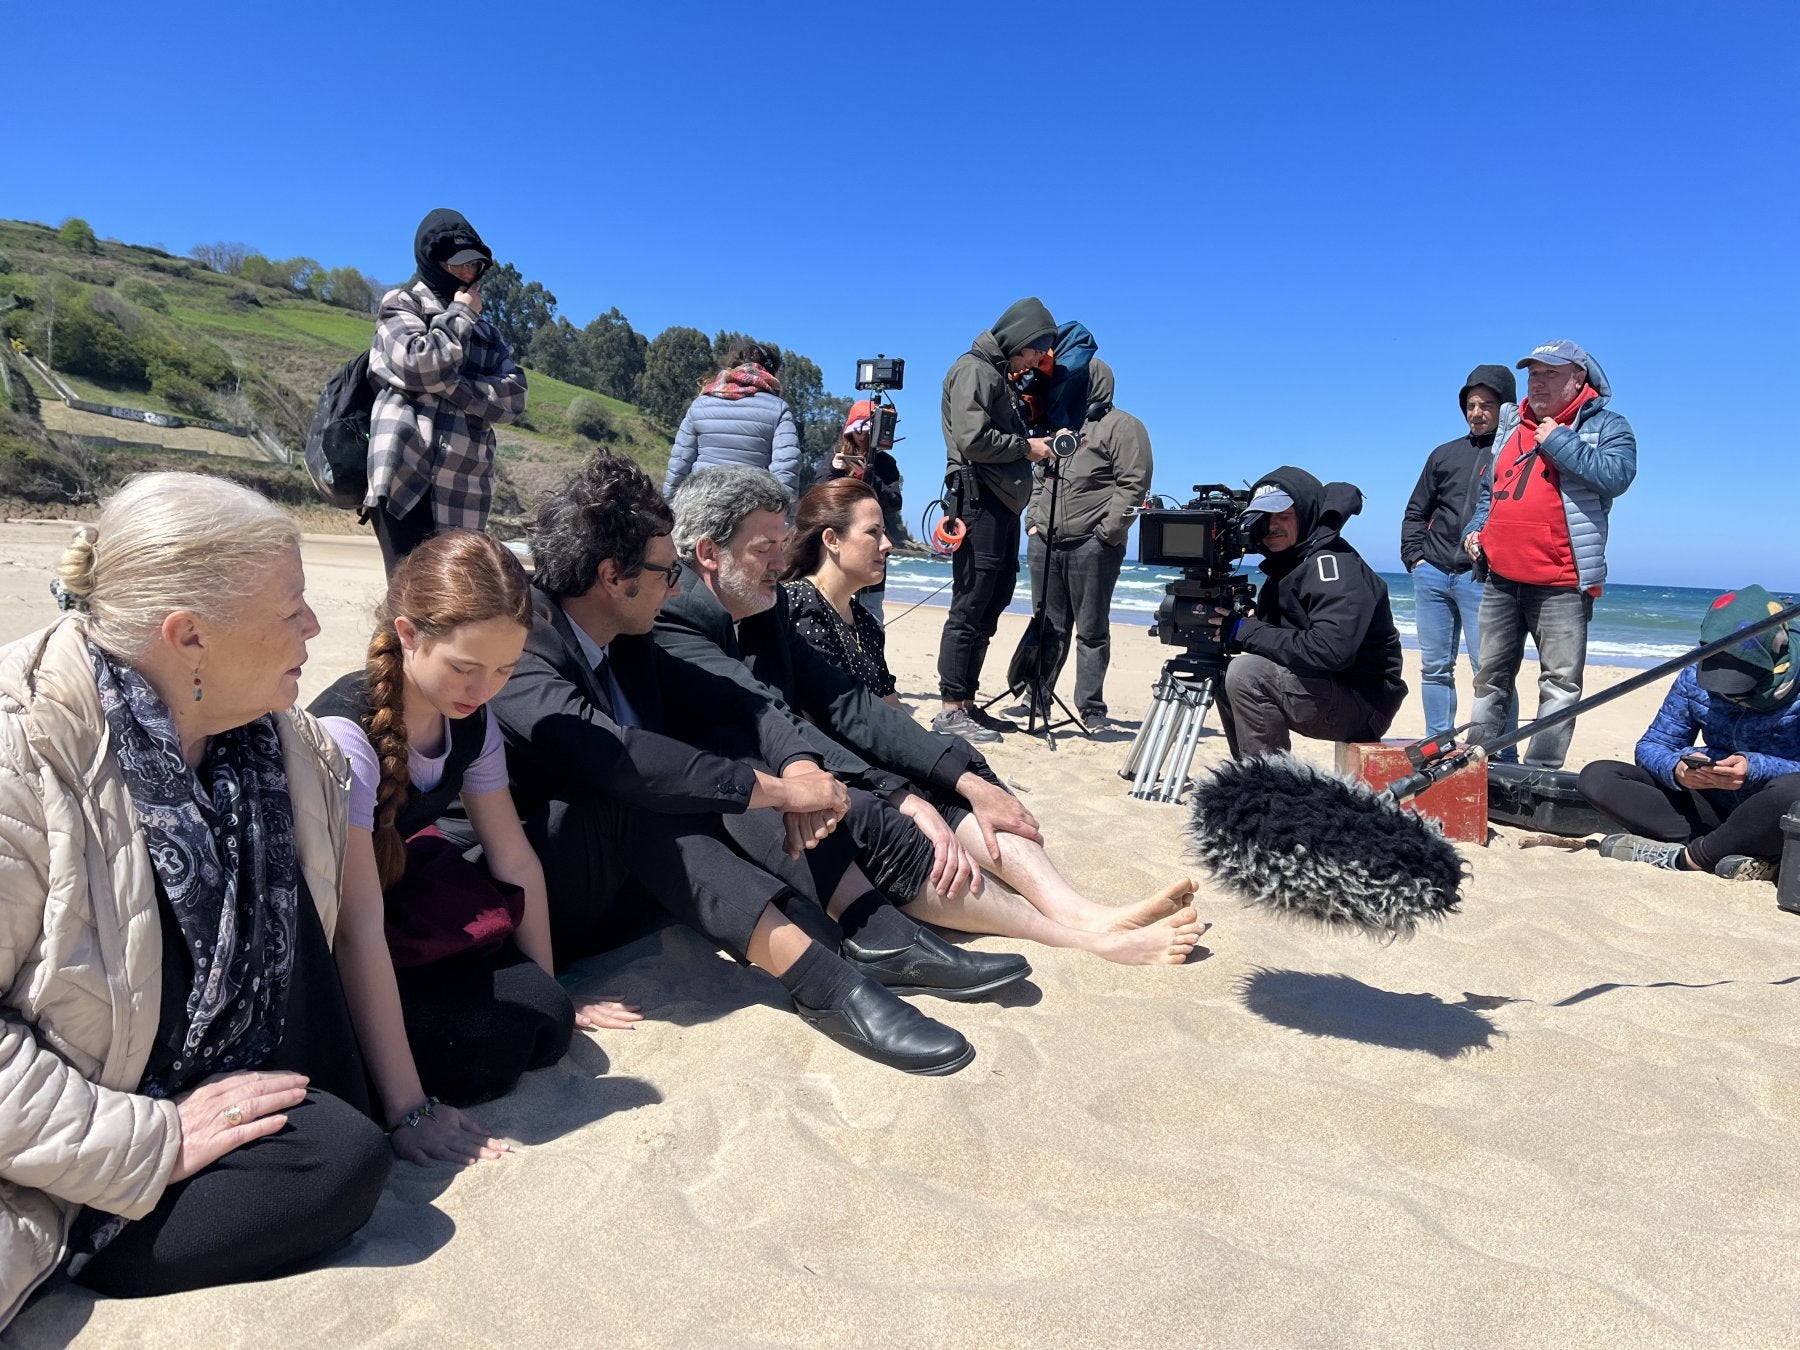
point(638, 773)
point(1539, 529)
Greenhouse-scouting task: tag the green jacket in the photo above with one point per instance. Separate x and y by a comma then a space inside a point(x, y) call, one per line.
point(1106, 480)
point(984, 426)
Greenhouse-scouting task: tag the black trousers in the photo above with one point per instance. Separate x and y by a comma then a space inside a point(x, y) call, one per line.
point(282, 1200)
point(892, 851)
point(400, 535)
point(478, 1020)
point(609, 866)
point(983, 573)
point(1075, 580)
point(1712, 824)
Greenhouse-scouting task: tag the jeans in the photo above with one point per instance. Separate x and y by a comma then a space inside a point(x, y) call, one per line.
point(1446, 606)
point(1075, 581)
point(1261, 702)
point(983, 571)
point(1557, 618)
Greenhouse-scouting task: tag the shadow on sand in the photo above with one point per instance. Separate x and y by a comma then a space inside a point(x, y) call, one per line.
point(1346, 1008)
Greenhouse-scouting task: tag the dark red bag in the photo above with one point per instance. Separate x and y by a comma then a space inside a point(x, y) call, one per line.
point(446, 905)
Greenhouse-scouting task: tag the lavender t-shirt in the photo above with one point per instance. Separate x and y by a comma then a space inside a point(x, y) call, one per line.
point(484, 774)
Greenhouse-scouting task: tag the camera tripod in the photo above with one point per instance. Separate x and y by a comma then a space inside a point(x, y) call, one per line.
point(1160, 762)
point(1035, 676)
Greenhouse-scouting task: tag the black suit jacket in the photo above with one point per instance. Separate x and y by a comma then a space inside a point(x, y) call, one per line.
point(850, 726)
point(562, 743)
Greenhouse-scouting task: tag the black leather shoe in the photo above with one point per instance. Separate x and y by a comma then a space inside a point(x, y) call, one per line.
point(929, 965)
point(878, 1026)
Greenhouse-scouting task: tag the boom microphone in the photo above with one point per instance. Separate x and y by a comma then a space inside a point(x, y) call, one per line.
point(1290, 837)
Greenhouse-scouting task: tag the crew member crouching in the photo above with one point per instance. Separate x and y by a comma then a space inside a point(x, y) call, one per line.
point(1319, 653)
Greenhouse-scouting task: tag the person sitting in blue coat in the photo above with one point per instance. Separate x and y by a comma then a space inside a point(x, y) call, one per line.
point(739, 418)
point(1717, 808)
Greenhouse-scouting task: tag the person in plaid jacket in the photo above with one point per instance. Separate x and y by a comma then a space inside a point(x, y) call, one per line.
point(445, 379)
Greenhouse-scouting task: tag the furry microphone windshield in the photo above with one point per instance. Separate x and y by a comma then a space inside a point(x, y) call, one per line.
point(1288, 836)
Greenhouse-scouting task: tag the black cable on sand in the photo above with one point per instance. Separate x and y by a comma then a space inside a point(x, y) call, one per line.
point(1292, 838)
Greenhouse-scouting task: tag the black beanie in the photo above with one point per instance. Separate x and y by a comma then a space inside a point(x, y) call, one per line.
point(441, 234)
point(1026, 323)
point(1497, 378)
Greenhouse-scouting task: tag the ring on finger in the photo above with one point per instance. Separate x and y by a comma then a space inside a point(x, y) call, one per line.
point(234, 1114)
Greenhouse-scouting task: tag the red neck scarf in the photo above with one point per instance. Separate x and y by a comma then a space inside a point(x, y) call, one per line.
point(741, 382)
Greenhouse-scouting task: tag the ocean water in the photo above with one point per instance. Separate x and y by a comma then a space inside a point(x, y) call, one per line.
point(1637, 626)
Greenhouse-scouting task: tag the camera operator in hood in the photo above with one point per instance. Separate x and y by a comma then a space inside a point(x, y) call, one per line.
point(991, 451)
point(1319, 654)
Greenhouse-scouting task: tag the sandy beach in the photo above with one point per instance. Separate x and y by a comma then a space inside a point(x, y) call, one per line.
point(1565, 1118)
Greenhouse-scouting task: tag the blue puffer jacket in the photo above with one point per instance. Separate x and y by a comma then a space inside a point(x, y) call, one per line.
point(1596, 460)
point(1768, 741)
point(757, 431)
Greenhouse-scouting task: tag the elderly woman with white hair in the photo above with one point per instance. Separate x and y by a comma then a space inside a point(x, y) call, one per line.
point(184, 1101)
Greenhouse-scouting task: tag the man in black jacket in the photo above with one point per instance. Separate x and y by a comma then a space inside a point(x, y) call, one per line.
point(991, 454)
point(1320, 655)
point(1446, 595)
point(926, 811)
point(601, 730)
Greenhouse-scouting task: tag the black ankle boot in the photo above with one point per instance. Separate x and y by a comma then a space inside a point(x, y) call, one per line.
point(929, 965)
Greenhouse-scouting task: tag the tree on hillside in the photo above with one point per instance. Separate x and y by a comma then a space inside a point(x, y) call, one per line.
point(222, 257)
point(345, 287)
point(675, 364)
point(723, 342)
point(819, 415)
point(516, 307)
point(557, 350)
point(77, 236)
point(285, 274)
point(614, 353)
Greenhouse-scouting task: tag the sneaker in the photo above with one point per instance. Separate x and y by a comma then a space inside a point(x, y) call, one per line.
point(1742, 867)
point(957, 722)
point(1636, 848)
point(983, 718)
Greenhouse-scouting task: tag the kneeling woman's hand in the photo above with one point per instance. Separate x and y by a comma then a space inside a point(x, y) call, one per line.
point(446, 1135)
point(609, 1013)
point(230, 1111)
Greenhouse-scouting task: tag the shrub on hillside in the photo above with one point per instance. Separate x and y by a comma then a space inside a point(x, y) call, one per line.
point(588, 417)
point(5, 264)
point(181, 393)
point(77, 236)
point(144, 294)
point(120, 311)
point(86, 343)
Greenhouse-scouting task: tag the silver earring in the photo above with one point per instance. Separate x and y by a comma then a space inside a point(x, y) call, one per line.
point(198, 693)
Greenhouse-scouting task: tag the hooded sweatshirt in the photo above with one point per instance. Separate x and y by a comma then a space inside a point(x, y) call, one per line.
point(1322, 609)
point(442, 234)
point(1105, 481)
point(1443, 502)
point(984, 425)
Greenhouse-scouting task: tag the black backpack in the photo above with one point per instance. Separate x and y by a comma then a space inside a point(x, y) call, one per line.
point(337, 445)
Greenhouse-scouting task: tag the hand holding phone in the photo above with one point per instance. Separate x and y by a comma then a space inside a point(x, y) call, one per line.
point(1695, 759)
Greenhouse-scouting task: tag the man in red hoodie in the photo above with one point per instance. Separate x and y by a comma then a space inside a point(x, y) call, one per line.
point(1539, 529)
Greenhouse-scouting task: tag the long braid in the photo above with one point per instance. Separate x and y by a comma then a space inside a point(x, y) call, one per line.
point(387, 734)
point(451, 579)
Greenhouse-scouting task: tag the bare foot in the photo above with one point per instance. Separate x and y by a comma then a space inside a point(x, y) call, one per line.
point(1159, 906)
point(1168, 943)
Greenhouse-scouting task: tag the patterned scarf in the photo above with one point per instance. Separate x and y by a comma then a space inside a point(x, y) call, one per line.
point(225, 865)
point(741, 382)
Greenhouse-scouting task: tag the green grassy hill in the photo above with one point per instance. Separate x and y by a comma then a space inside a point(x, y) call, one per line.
point(278, 349)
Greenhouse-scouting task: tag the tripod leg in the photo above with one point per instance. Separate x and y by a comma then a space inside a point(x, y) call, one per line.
point(1159, 748)
point(1129, 768)
point(1181, 770)
point(1147, 763)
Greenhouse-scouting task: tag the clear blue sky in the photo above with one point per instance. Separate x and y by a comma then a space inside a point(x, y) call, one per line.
point(1293, 228)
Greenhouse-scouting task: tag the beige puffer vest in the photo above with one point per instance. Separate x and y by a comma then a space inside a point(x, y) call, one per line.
point(81, 952)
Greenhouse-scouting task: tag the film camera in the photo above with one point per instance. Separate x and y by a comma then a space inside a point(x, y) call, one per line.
point(877, 375)
point(1205, 539)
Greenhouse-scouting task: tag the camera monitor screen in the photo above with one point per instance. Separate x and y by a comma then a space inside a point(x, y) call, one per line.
point(1187, 539)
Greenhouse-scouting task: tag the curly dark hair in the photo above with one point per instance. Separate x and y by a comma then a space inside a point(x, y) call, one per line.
point(749, 350)
point(609, 509)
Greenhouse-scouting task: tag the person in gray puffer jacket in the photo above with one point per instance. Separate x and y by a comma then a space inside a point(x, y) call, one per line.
point(739, 418)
